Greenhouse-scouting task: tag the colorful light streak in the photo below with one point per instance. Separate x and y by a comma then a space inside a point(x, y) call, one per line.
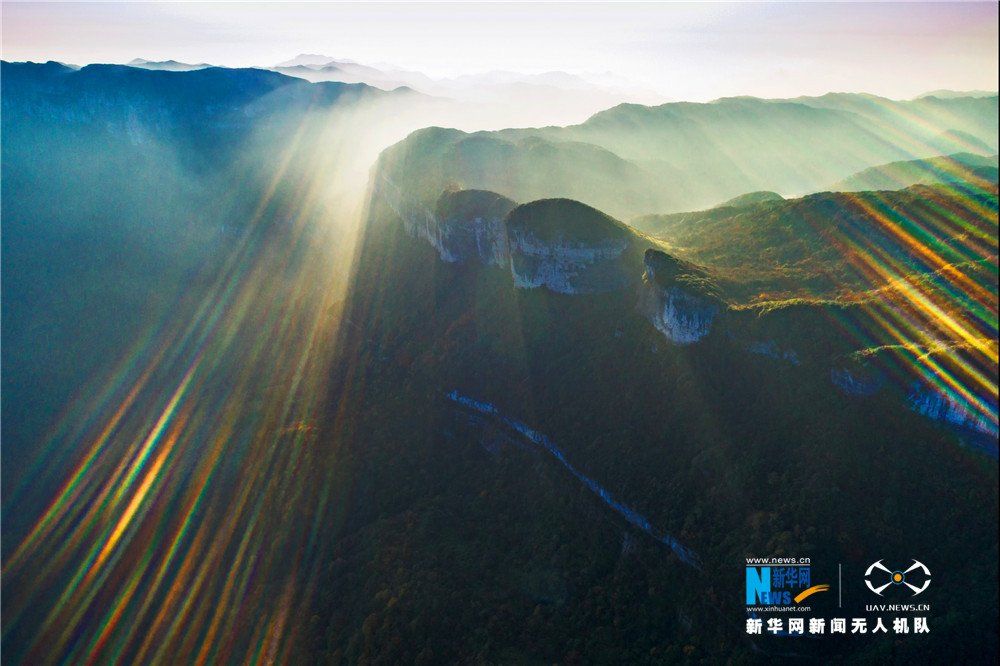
point(926, 336)
point(184, 532)
point(163, 542)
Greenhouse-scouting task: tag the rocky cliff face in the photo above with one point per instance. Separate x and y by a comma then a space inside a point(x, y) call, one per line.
point(569, 248)
point(459, 230)
point(934, 404)
point(419, 221)
point(560, 245)
point(472, 226)
point(567, 267)
point(857, 379)
point(681, 315)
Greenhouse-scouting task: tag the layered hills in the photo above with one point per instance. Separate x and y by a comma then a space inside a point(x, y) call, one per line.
point(140, 101)
point(773, 271)
point(581, 450)
point(800, 247)
point(920, 261)
point(559, 403)
point(634, 159)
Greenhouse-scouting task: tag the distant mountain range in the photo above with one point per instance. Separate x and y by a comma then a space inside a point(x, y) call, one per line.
point(519, 99)
point(522, 99)
point(317, 67)
point(167, 96)
point(635, 159)
point(950, 94)
point(167, 65)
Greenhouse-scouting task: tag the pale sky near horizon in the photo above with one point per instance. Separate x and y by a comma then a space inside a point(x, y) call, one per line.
point(691, 51)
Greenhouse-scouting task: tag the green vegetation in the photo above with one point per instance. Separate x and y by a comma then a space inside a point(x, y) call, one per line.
point(412, 530)
point(567, 220)
point(751, 198)
point(520, 168)
point(907, 277)
point(945, 126)
point(466, 547)
point(472, 204)
point(961, 167)
point(669, 271)
point(817, 246)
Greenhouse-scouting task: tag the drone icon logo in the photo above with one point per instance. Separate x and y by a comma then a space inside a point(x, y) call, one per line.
point(898, 577)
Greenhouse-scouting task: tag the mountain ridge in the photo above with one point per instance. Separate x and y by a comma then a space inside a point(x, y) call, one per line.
point(898, 175)
point(687, 308)
point(684, 156)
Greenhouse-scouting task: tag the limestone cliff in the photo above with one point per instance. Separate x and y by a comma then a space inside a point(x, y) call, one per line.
point(473, 227)
point(856, 378)
point(673, 297)
point(568, 247)
point(953, 410)
point(560, 244)
point(466, 225)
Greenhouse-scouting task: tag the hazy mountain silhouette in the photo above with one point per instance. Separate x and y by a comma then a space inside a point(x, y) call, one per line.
point(167, 65)
point(922, 119)
point(949, 94)
point(684, 156)
point(750, 198)
point(160, 99)
point(522, 99)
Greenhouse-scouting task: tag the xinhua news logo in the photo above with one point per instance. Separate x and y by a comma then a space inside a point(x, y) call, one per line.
point(780, 585)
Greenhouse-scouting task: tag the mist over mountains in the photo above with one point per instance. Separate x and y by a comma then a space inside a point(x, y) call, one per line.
point(165, 100)
point(633, 159)
point(494, 99)
point(305, 365)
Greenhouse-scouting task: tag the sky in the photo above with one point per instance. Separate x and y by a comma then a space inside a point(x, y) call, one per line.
point(691, 51)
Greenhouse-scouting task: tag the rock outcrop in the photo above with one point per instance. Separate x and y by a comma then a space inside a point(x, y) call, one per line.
point(857, 378)
point(560, 244)
point(566, 267)
point(472, 226)
point(952, 410)
point(673, 298)
point(568, 247)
